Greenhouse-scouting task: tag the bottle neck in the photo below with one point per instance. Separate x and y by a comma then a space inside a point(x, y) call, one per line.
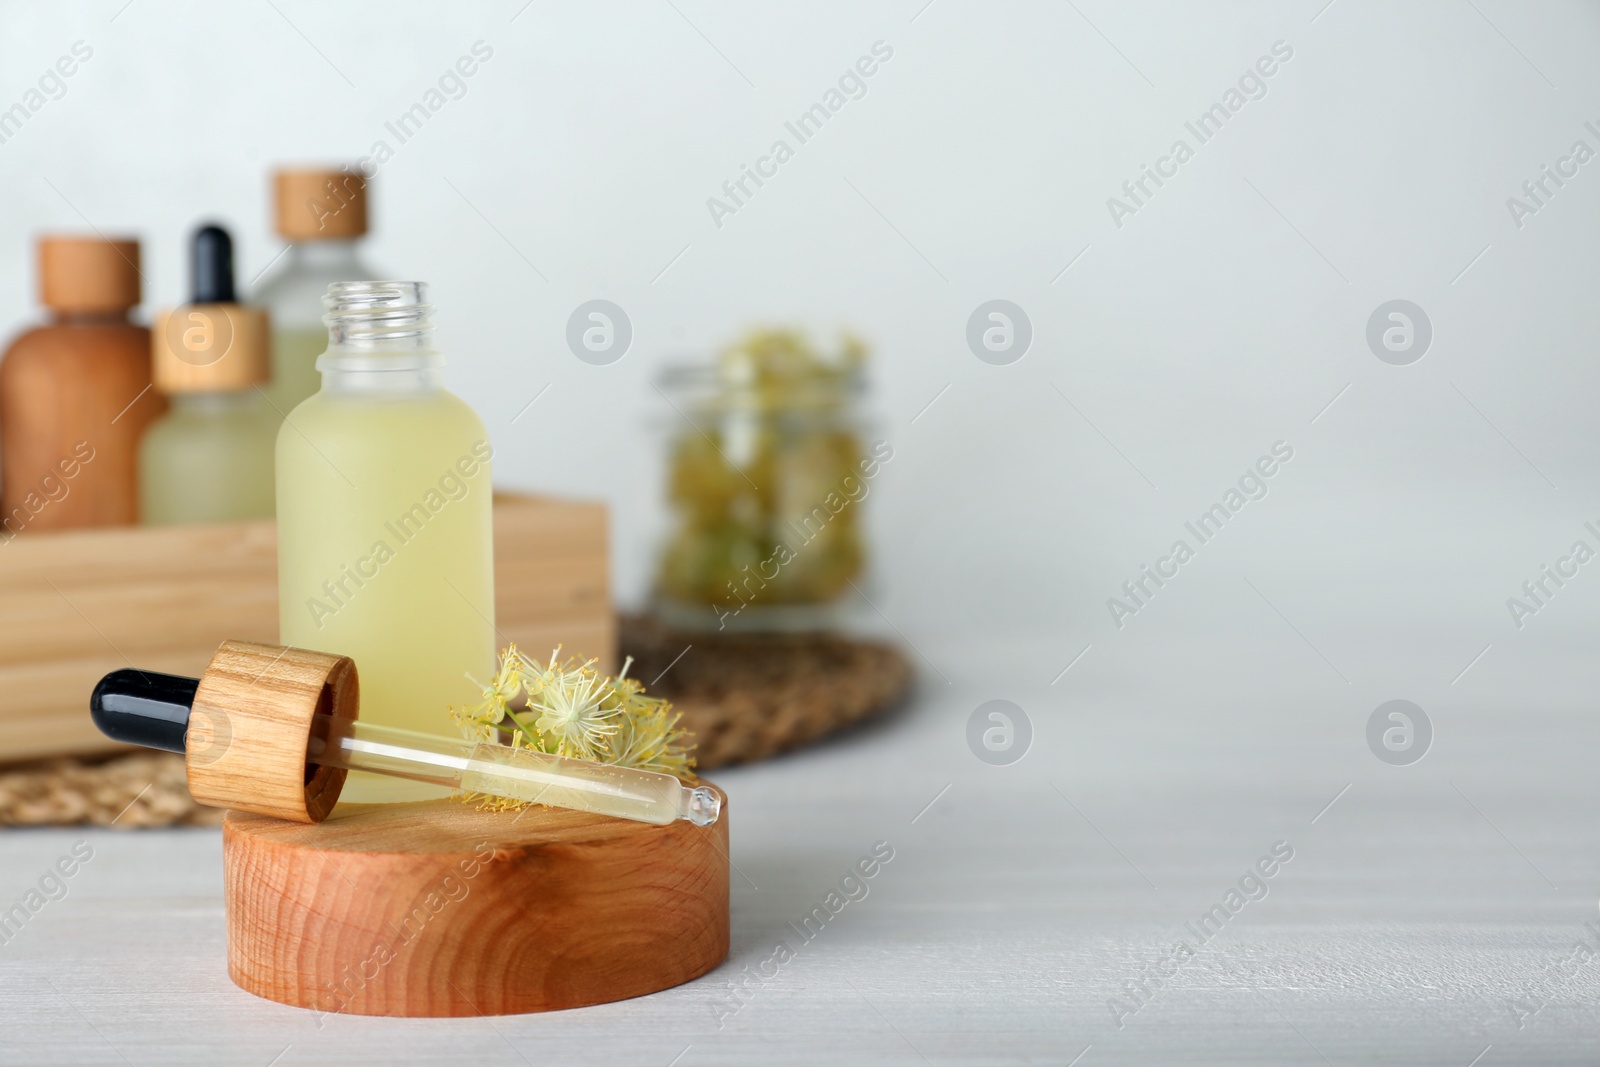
point(380, 339)
point(332, 255)
point(215, 402)
point(79, 317)
point(381, 373)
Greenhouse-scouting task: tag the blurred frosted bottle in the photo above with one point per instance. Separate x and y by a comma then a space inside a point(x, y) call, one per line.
point(385, 540)
point(322, 213)
point(209, 459)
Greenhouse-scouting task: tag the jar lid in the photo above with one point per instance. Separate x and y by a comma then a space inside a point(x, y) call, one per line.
point(717, 388)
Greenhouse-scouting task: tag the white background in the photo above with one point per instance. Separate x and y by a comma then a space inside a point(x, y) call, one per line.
point(1224, 316)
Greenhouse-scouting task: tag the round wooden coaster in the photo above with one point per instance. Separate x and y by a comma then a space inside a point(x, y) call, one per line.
point(749, 696)
point(435, 909)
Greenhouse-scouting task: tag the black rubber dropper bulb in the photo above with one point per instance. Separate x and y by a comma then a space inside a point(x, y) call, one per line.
point(211, 266)
point(144, 708)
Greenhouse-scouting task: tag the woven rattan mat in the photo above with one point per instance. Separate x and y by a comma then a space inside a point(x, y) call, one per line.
point(128, 792)
point(744, 698)
point(749, 697)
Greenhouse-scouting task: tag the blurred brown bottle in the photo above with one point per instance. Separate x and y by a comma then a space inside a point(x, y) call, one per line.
point(75, 394)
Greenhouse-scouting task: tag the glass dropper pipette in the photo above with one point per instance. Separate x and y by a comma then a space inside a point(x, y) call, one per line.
point(514, 773)
point(153, 710)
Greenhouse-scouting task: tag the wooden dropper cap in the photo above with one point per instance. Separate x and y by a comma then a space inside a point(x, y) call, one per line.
point(213, 343)
point(209, 348)
point(245, 727)
point(250, 729)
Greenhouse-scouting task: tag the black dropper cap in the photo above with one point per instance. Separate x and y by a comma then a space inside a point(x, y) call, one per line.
point(144, 708)
point(211, 266)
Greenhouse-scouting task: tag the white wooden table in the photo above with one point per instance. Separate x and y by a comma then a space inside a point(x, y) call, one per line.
point(1429, 913)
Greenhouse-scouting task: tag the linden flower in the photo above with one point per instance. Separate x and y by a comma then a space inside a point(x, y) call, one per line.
point(648, 738)
point(566, 708)
point(473, 723)
point(481, 721)
point(534, 677)
point(573, 710)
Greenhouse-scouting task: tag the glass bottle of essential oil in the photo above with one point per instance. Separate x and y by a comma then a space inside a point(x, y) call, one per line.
point(322, 213)
point(385, 539)
point(209, 459)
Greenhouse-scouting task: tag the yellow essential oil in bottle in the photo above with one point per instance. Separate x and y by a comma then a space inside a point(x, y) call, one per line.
point(385, 538)
point(209, 458)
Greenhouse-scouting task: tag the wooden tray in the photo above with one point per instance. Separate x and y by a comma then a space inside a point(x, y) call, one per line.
point(77, 604)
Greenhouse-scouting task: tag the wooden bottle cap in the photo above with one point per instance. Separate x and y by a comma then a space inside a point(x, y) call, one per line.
point(200, 348)
point(320, 204)
point(250, 728)
point(88, 273)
